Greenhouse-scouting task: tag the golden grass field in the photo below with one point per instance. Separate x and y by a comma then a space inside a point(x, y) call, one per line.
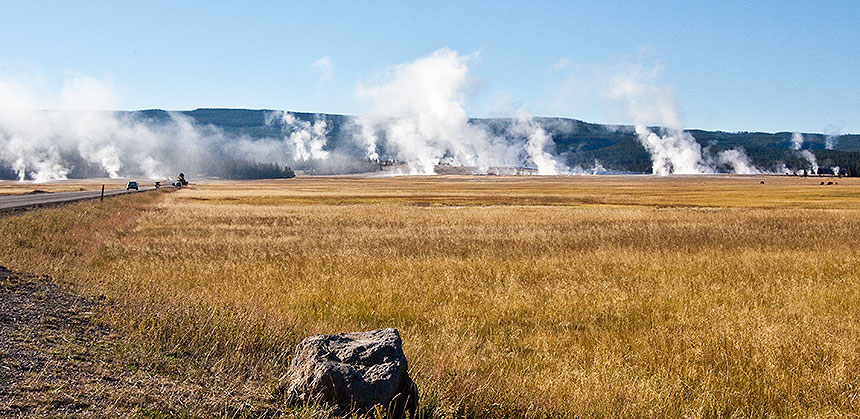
point(514, 296)
point(9, 187)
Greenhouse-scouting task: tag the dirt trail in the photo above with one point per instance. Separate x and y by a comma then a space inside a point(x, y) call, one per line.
point(50, 351)
point(57, 360)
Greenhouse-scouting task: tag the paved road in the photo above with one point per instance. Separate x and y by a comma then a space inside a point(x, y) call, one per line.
point(11, 202)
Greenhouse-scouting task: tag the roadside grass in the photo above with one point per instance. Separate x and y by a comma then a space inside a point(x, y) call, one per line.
point(142, 381)
point(515, 297)
point(8, 187)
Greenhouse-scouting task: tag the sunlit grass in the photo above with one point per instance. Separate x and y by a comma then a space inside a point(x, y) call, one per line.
point(9, 187)
point(517, 296)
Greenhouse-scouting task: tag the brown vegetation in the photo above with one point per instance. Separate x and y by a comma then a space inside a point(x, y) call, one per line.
point(8, 187)
point(598, 296)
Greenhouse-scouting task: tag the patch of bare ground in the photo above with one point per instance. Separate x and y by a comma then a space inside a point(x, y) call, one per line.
point(58, 360)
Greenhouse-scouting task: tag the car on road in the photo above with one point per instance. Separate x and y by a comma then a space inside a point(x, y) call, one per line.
point(131, 185)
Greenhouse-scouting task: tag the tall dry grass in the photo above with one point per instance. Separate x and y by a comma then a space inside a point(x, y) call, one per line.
point(10, 187)
point(606, 296)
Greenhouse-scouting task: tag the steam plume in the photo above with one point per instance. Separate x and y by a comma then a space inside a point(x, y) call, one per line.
point(78, 138)
point(797, 140)
point(673, 151)
point(538, 141)
point(797, 143)
point(418, 117)
point(738, 160)
point(308, 139)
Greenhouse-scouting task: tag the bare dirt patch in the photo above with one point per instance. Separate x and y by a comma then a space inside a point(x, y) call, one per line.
point(57, 359)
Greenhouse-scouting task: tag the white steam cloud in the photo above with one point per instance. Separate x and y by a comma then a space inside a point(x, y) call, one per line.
point(797, 140)
point(673, 151)
point(738, 160)
point(36, 141)
point(813, 162)
point(537, 143)
point(79, 137)
point(797, 143)
point(308, 139)
point(418, 117)
point(833, 134)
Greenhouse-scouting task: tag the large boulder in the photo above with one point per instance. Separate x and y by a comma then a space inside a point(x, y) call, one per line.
point(355, 371)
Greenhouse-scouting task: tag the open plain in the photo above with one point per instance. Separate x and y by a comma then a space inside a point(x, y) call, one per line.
point(515, 296)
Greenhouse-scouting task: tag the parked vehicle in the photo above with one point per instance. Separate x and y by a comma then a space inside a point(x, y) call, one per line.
point(131, 185)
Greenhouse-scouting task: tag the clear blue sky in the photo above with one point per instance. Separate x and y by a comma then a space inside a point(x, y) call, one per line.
point(738, 65)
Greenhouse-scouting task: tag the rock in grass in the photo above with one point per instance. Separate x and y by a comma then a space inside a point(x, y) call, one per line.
point(355, 371)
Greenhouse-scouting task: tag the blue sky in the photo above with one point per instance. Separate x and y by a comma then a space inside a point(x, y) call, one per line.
point(745, 65)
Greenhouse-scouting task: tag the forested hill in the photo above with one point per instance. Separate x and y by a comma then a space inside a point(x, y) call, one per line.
point(577, 142)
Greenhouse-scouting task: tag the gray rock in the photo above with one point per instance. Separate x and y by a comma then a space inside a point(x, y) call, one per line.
point(355, 371)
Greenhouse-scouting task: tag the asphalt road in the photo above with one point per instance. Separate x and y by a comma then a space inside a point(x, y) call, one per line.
point(13, 202)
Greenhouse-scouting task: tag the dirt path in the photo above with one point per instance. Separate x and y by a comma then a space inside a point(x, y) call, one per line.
point(57, 360)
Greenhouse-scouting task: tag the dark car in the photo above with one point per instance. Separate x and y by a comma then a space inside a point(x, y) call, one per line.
point(131, 185)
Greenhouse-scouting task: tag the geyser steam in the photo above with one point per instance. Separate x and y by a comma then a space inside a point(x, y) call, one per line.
point(417, 116)
point(77, 138)
point(797, 143)
point(673, 151)
point(308, 139)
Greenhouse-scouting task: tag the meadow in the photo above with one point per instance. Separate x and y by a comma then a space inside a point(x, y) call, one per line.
point(515, 296)
point(9, 187)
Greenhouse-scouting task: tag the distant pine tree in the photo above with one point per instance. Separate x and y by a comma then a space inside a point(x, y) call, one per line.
point(247, 170)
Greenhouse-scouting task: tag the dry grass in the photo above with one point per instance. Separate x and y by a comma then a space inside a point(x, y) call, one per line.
point(596, 296)
point(8, 187)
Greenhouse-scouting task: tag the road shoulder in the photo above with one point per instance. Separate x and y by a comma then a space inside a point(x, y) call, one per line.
point(57, 359)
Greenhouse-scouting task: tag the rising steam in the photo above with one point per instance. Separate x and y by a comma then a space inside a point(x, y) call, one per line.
point(81, 139)
point(797, 143)
point(738, 160)
point(537, 143)
point(307, 139)
point(417, 117)
point(673, 150)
